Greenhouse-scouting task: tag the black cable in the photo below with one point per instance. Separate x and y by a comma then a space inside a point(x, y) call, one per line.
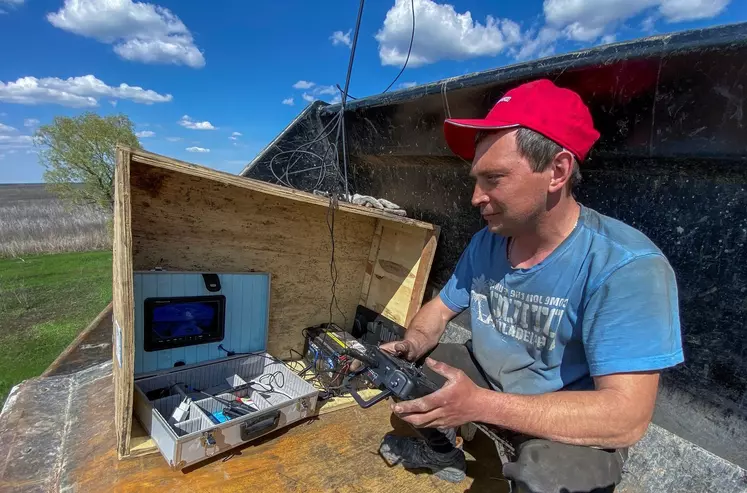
point(345, 94)
point(412, 38)
point(273, 379)
point(342, 91)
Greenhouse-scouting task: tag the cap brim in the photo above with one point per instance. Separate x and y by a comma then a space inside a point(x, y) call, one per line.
point(460, 134)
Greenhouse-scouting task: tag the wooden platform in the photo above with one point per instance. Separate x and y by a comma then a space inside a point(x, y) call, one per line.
point(57, 435)
point(70, 445)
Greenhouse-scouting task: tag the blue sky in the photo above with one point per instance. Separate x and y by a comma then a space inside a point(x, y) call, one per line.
point(213, 82)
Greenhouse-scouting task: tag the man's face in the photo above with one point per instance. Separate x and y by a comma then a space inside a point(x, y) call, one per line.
point(508, 192)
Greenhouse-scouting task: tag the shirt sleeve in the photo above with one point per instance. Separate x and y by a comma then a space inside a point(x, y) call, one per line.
point(631, 322)
point(456, 293)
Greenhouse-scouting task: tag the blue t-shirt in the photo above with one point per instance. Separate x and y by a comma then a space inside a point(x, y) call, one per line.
point(604, 301)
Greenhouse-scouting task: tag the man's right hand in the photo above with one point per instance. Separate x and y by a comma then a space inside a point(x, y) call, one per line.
point(405, 349)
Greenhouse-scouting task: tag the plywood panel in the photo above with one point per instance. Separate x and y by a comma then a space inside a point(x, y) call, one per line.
point(122, 301)
point(193, 224)
point(394, 271)
point(421, 277)
point(158, 161)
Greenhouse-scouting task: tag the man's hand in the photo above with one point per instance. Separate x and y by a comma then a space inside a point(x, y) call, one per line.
point(405, 349)
point(456, 403)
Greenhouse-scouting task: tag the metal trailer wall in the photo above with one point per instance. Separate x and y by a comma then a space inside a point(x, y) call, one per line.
point(670, 162)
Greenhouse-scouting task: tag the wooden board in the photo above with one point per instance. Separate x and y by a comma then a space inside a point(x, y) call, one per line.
point(336, 452)
point(123, 352)
point(179, 216)
point(193, 224)
point(398, 264)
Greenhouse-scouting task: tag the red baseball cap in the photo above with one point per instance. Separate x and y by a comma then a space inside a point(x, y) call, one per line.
point(557, 113)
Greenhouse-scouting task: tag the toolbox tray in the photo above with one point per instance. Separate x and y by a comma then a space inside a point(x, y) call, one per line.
point(198, 437)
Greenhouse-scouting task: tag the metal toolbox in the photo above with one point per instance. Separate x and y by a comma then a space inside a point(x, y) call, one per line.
point(185, 322)
point(279, 395)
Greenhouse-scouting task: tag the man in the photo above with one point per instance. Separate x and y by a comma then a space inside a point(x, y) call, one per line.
point(573, 313)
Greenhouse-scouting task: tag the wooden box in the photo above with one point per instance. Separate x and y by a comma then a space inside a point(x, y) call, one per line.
point(182, 217)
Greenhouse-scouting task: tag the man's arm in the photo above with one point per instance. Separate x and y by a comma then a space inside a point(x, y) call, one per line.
point(424, 332)
point(630, 331)
point(615, 414)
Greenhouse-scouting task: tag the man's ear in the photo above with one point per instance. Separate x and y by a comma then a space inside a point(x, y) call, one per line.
point(562, 169)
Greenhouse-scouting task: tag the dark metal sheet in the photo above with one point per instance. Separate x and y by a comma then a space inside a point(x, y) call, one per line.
point(671, 161)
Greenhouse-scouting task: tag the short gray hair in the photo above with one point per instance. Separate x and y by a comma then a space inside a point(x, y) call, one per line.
point(537, 149)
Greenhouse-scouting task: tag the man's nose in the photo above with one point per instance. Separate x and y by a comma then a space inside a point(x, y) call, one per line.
point(479, 197)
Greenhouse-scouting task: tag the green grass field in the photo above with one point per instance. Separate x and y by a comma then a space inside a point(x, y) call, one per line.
point(45, 301)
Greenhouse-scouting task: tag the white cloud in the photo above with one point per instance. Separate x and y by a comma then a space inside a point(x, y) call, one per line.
point(16, 139)
point(406, 85)
point(648, 23)
point(303, 84)
point(74, 92)
point(441, 33)
point(609, 38)
point(588, 20)
point(139, 31)
point(235, 135)
point(6, 128)
point(187, 122)
point(315, 93)
point(541, 44)
point(113, 102)
point(30, 122)
point(9, 3)
point(690, 10)
point(288, 101)
point(144, 134)
point(197, 149)
point(339, 38)
point(325, 90)
point(173, 139)
point(8, 142)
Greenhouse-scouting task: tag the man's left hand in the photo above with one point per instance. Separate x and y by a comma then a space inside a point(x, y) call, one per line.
point(455, 404)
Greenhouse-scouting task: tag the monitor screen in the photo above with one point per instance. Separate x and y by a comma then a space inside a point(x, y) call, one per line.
point(183, 321)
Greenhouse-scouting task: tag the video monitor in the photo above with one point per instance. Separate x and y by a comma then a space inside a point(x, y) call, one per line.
point(183, 321)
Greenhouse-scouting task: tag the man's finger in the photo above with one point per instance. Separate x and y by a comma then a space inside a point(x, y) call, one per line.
point(421, 405)
point(449, 372)
point(422, 420)
point(402, 348)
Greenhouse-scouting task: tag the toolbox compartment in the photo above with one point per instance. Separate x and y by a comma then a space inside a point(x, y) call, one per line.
point(279, 394)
